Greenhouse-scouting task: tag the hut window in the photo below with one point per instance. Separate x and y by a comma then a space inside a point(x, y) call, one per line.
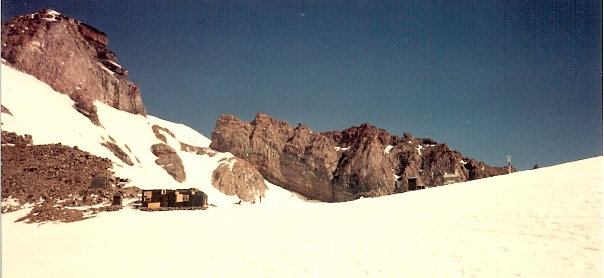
point(185, 198)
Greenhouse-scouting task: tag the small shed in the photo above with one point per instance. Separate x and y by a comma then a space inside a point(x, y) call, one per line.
point(117, 199)
point(412, 183)
point(450, 178)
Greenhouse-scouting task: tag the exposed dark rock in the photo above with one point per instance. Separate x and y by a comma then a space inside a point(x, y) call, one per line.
point(238, 177)
point(72, 58)
point(341, 165)
point(158, 131)
point(168, 159)
point(296, 159)
point(197, 150)
point(479, 170)
point(363, 170)
point(14, 139)
point(118, 152)
point(84, 104)
point(5, 110)
point(54, 178)
point(159, 135)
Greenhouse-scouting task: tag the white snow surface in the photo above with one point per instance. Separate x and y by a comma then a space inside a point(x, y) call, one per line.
point(36, 109)
point(539, 223)
point(419, 149)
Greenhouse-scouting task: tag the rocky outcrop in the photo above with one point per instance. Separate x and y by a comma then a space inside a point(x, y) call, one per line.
point(72, 57)
point(5, 110)
point(11, 138)
point(294, 158)
point(342, 165)
point(197, 150)
point(237, 177)
point(157, 130)
point(363, 169)
point(118, 152)
point(168, 159)
point(54, 178)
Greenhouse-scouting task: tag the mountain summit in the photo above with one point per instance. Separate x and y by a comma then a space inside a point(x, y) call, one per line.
point(72, 57)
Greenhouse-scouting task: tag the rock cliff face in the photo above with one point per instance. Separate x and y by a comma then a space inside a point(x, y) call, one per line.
point(343, 165)
point(72, 57)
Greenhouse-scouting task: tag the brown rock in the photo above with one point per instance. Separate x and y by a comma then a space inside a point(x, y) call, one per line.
point(306, 164)
point(296, 159)
point(72, 58)
point(364, 170)
point(118, 152)
point(197, 150)
point(341, 165)
point(479, 170)
point(5, 110)
point(14, 139)
point(238, 177)
point(53, 177)
point(168, 159)
point(157, 131)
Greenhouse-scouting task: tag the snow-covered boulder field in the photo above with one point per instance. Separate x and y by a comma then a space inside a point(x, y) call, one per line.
point(538, 223)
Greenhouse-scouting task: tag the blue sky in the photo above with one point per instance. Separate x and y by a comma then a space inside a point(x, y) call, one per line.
point(489, 78)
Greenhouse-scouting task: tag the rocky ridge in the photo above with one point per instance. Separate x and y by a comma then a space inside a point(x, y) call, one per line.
point(72, 57)
point(335, 166)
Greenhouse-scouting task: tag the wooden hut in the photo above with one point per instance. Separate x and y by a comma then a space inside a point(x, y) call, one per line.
point(173, 198)
point(408, 184)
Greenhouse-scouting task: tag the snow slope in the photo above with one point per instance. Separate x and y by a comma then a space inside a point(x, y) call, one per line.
point(48, 116)
point(539, 223)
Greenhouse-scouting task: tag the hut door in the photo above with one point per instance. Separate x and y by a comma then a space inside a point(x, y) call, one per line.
point(412, 183)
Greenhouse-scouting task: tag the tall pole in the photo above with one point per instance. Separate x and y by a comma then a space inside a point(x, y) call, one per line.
point(509, 164)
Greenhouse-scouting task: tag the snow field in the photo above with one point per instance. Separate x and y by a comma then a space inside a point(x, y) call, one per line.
point(540, 223)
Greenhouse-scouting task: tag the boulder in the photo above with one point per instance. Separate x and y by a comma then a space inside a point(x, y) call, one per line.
point(238, 177)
